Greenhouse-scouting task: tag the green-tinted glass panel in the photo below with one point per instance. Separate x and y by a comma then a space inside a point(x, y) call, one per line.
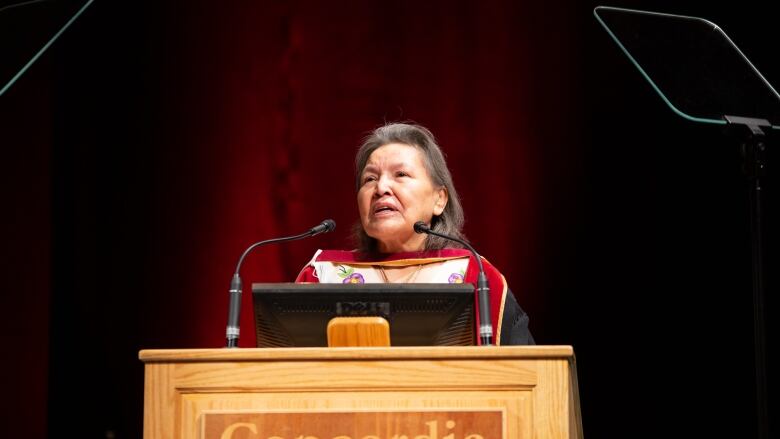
point(695, 67)
point(28, 29)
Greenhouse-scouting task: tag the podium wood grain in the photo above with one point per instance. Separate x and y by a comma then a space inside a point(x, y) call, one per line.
point(534, 386)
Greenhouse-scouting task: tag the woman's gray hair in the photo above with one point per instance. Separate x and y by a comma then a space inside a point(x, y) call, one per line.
point(450, 222)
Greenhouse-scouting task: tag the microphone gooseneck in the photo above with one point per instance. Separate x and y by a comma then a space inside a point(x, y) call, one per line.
point(234, 309)
point(483, 288)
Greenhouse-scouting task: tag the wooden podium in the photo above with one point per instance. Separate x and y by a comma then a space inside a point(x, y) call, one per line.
point(465, 392)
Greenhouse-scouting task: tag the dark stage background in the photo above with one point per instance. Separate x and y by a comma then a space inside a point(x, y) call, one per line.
point(156, 140)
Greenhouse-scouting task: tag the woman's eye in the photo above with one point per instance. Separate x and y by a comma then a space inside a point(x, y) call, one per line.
point(401, 174)
point(368, 179)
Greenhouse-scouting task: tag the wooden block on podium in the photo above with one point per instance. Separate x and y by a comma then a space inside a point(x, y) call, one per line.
point(358, 331)
point(473, 392)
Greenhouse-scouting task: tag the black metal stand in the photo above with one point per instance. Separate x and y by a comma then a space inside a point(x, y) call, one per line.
point(753, 150)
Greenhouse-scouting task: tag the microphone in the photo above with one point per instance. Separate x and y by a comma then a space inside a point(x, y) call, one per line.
point(483, 289)
point(234, 310)
point(324, 227)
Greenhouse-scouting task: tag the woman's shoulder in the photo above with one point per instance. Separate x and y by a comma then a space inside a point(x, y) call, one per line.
point(331, 255)
point(490, 267)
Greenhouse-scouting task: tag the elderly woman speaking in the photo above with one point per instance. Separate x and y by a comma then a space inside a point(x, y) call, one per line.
point(402, 178)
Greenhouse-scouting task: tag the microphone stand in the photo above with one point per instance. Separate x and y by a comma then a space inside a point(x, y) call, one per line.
point(233, 329)
point(483, 289)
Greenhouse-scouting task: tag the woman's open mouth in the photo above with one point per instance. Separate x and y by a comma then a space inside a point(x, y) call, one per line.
point(384, 209)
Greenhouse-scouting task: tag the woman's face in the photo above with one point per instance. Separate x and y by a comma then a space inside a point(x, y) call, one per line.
point(396, 192)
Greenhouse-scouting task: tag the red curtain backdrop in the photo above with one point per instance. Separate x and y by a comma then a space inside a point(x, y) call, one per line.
point(26, 259)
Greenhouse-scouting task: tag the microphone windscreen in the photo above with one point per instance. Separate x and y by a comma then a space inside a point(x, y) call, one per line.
point(329, 224)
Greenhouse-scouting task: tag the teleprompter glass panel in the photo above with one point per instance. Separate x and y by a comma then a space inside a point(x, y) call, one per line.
point(695, 67)
point(28, 29)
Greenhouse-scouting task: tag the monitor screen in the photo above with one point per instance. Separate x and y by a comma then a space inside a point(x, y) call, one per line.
point(288, 314)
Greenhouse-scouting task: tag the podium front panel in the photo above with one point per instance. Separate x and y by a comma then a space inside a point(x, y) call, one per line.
point(430, 392)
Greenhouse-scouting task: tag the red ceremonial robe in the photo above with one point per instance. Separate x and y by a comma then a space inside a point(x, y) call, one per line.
point(496, 281)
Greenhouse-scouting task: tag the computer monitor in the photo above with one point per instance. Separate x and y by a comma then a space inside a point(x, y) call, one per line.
point(288, 315)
